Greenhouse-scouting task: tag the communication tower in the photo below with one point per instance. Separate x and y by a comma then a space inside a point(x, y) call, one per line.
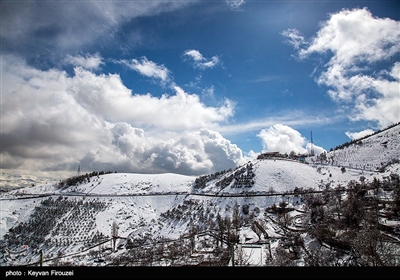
point(311, 146)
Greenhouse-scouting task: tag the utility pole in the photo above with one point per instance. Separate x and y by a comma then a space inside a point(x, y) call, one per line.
point(41, 258)
point(114, 234)
point(233, 254)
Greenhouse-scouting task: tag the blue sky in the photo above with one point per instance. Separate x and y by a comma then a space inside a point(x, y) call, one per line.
point(191, 87)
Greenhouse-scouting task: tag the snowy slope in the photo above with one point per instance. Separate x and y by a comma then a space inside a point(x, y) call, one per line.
point(370, 153)
point(124, 183)
point(282, 175)
point(131, 198)
point(117, 184)
point(146, 206)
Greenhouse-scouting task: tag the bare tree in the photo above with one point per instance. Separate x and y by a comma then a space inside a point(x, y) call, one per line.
point(236, 218)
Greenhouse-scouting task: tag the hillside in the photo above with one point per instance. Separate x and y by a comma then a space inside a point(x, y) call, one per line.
point(369, 153)
point(260, 209)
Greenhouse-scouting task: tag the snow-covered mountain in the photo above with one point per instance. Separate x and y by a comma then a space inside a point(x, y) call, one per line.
point(104, 219)
point(17, 181)
point(368, 153)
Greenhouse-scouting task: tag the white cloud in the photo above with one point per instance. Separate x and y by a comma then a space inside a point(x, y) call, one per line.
point(88, 62)
point(294, 38)
point(107, 97)
point(316, 149)
point(385, 107)
point(292, 118)
point(220, 150)
point(200, 61)
point(68, 25)
point(357, 42)
point(52, 122)
point(356, 36)
point(360, 134)
point(195, 54)
point(251, 155)
point(235, 5)
point(191, 152)
point(149, 69)
point(284, 139)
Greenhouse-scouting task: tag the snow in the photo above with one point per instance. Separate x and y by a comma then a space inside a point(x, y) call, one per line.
point(284, 175)
point(14, 181)
point(369, 153)
point(13, 212)
point(118, 184)
point(126, 183)
point(136, 202)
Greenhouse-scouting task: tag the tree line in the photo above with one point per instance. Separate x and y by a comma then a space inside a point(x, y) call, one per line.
point(80, 179)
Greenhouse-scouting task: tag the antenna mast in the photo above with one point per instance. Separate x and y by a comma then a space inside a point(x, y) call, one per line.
point(78, 173)
point(312, 146)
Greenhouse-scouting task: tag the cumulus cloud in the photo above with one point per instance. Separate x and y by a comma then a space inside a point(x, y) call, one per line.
point(191, 152)
point(105, 96)
point(360, 134)
point(52, 122)
point(284, 139)
point(200, 61)
point(356, 41)
point(88, 62)
point(149, 69)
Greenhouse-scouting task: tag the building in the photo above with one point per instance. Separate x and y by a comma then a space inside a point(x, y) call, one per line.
point(268, 155)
